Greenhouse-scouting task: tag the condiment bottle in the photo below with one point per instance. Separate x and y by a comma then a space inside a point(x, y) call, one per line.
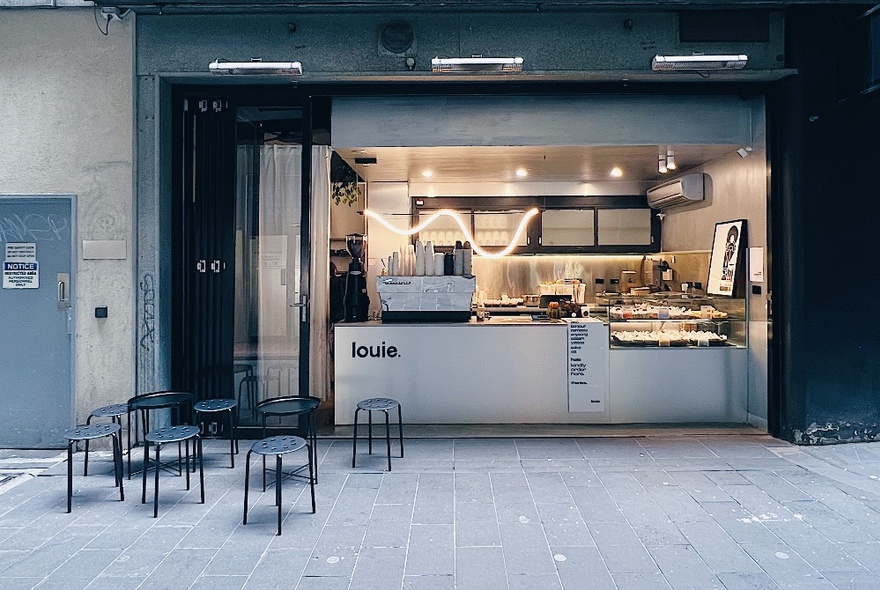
point(553, 310)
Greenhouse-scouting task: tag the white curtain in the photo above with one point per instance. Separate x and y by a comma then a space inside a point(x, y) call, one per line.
point(280, 214)
point(279, 248)
point(319, 365)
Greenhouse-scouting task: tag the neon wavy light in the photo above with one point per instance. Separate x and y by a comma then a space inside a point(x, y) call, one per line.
point(464, 229)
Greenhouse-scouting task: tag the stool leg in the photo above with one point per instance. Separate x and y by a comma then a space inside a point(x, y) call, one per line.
point(117, 464)
point(400, 428)
point(247, 475)
point(314, 449)
point(86, 459)
point(370, 432)
point(128, 437)
point(201, 468)
point(278, 488)
point(312, 480)
point(388, 438)
point(354, 438)
point(146, 465)
point(231, 440)
point(187, 459)
point(69, 473)
point(235, 431)
point(156, 485)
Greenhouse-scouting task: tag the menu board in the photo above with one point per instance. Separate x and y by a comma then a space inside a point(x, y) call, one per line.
point(587, 366)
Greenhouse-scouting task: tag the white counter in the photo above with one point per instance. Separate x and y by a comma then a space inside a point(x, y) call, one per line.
point(514, 370)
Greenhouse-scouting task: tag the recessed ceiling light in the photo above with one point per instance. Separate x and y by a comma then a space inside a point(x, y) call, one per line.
point(616, 172)
point(427, 173)
point(522, 172)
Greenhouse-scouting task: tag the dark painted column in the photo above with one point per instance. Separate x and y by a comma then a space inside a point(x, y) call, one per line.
point(826, 227)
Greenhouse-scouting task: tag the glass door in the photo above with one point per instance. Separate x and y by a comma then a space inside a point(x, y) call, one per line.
point(241, 238)
point(271, 289)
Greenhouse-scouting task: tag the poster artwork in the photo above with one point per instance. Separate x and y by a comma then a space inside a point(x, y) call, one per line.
point(726, 246)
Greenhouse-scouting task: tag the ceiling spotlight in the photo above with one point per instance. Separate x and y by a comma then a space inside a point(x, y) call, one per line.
point(616, 172)
point(427, 173)
point(661, 165)
point(477, 63)
point(698, 62)
point(255, 67)
point(670, 160)
point(522, 172)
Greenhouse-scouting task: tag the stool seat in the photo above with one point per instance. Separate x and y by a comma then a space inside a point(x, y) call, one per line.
point(110, 411)
point(215, 405)
point(242, 368)
point(171, 434)
point(92, 431)
point(378, 404)
point(278, 445)
point(283, 406)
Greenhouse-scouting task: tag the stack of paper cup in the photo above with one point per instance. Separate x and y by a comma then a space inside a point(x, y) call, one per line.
point(438, 264)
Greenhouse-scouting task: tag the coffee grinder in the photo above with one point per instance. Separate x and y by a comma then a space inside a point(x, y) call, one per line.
point(357, 302)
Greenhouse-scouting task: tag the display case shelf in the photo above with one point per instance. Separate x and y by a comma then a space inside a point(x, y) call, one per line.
point(676, 322)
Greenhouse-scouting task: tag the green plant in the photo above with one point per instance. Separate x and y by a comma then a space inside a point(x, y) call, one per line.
point(344, 193)
point(344, 188)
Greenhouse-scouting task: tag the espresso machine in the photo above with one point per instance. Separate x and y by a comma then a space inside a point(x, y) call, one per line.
point(357, 303)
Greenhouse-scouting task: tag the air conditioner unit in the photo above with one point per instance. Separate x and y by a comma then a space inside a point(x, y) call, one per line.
point(684, 190)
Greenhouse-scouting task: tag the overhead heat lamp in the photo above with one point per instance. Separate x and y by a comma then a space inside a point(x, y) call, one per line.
point(255, 67)
point(698, 62)
point(477, 63)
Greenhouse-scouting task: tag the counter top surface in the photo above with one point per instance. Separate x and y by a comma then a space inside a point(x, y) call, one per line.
point(492, 321)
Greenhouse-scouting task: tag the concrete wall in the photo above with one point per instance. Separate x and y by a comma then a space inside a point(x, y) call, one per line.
point(66, 127)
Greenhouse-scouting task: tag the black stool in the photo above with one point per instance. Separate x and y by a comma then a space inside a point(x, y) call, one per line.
point(179, 403)
point(91, 432)
point(171, 434)
point(276, 445)
point(115, 412)
point(377, 404)
point(294, 405)
point(209, 406)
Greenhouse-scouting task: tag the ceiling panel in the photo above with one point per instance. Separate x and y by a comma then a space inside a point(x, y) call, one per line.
point(543, 164)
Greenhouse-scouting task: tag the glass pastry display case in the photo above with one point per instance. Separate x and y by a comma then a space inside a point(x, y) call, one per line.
point(675, 322)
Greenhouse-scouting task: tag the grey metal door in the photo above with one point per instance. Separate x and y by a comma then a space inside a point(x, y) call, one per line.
point(36, 326)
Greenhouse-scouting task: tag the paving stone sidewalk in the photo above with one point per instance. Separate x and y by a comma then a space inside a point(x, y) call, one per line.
point(733, 512)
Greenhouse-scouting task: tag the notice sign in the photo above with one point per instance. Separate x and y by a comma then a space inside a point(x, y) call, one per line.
point(587, 366)
point(21, 275)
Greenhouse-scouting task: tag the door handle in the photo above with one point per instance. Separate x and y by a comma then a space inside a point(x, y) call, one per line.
point(63, 290)
point(304, 307)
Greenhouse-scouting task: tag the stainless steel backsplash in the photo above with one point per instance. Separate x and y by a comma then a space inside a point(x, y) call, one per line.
point(516, 276)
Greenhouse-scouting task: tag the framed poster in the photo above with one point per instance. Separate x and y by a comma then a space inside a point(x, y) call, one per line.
point(725, 264)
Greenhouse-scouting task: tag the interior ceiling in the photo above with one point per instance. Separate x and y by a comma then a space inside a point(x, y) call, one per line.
point(543, 164)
